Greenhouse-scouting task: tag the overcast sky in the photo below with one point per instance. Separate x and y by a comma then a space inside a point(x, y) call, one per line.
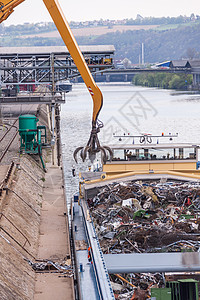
point(34, 11)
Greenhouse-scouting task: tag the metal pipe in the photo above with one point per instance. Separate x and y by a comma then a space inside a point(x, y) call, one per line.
point(30, 176)
point(2, 215)
point(53, 123)
point(16, 241)
point(53, 133)
point(152, 262)
point(24, 201)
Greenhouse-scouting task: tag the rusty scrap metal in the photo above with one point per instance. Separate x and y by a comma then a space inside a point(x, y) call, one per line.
point(146, 217)
point(48, 266)
point(123, 279)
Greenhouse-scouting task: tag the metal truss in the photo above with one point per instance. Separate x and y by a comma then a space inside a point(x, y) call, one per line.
point(37, 68)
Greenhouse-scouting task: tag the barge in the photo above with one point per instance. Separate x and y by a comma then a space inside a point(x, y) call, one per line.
point(99, 214)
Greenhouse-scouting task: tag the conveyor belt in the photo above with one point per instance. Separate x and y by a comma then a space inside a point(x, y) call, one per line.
point(93, 278)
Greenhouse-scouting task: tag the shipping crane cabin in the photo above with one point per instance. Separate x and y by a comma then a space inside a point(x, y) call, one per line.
point(93, 146)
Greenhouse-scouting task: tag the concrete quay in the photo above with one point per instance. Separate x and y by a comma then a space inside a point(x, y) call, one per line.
point(34, 228)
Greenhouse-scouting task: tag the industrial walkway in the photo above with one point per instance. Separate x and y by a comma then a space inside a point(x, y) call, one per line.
point(54, 239)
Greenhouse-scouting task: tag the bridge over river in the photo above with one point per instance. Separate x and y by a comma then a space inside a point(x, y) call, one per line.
point(41, 65)
point(178, 66)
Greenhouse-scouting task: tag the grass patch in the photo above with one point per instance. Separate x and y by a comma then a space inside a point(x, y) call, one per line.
point(175, 26)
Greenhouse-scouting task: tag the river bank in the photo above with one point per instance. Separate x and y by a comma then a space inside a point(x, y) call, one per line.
point(34, 228)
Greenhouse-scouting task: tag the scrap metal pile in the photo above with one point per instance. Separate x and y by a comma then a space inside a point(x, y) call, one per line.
point(48, 266)
point(147, 216)
point(135, 286)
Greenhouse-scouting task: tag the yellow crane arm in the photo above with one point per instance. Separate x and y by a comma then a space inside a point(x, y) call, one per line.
point(63, 27)
point(7, 7)
point(93, 146)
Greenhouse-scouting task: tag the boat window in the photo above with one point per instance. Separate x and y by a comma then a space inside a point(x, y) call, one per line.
point(161, 154)
point(136, 154)
point(180, 153)
point(119, 154)
point(154, 154)
point(189, 153)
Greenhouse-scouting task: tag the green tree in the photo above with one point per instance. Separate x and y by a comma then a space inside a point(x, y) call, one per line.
point(163, 80)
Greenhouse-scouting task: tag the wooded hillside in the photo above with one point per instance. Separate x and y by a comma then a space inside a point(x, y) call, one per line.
point(174, 38)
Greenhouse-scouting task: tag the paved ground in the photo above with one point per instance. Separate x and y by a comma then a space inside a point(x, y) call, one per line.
point(53, 241)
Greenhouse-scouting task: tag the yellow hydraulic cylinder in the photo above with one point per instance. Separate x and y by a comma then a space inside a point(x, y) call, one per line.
point(63, 27)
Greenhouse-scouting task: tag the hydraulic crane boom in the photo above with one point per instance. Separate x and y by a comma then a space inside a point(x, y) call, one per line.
point(93, 145)
point(63, 27)
point(7, 7)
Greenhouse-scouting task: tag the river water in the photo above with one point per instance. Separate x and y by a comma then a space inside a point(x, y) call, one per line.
point(126, 109)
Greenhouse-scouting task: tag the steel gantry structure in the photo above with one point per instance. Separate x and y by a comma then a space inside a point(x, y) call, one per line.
point(35, 65)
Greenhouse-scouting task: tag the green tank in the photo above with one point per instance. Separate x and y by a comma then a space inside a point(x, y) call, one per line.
point(32, 136)
point(27, 122)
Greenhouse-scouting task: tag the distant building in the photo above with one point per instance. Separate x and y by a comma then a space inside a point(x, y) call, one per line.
point(180, 64)
point(183, 63)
